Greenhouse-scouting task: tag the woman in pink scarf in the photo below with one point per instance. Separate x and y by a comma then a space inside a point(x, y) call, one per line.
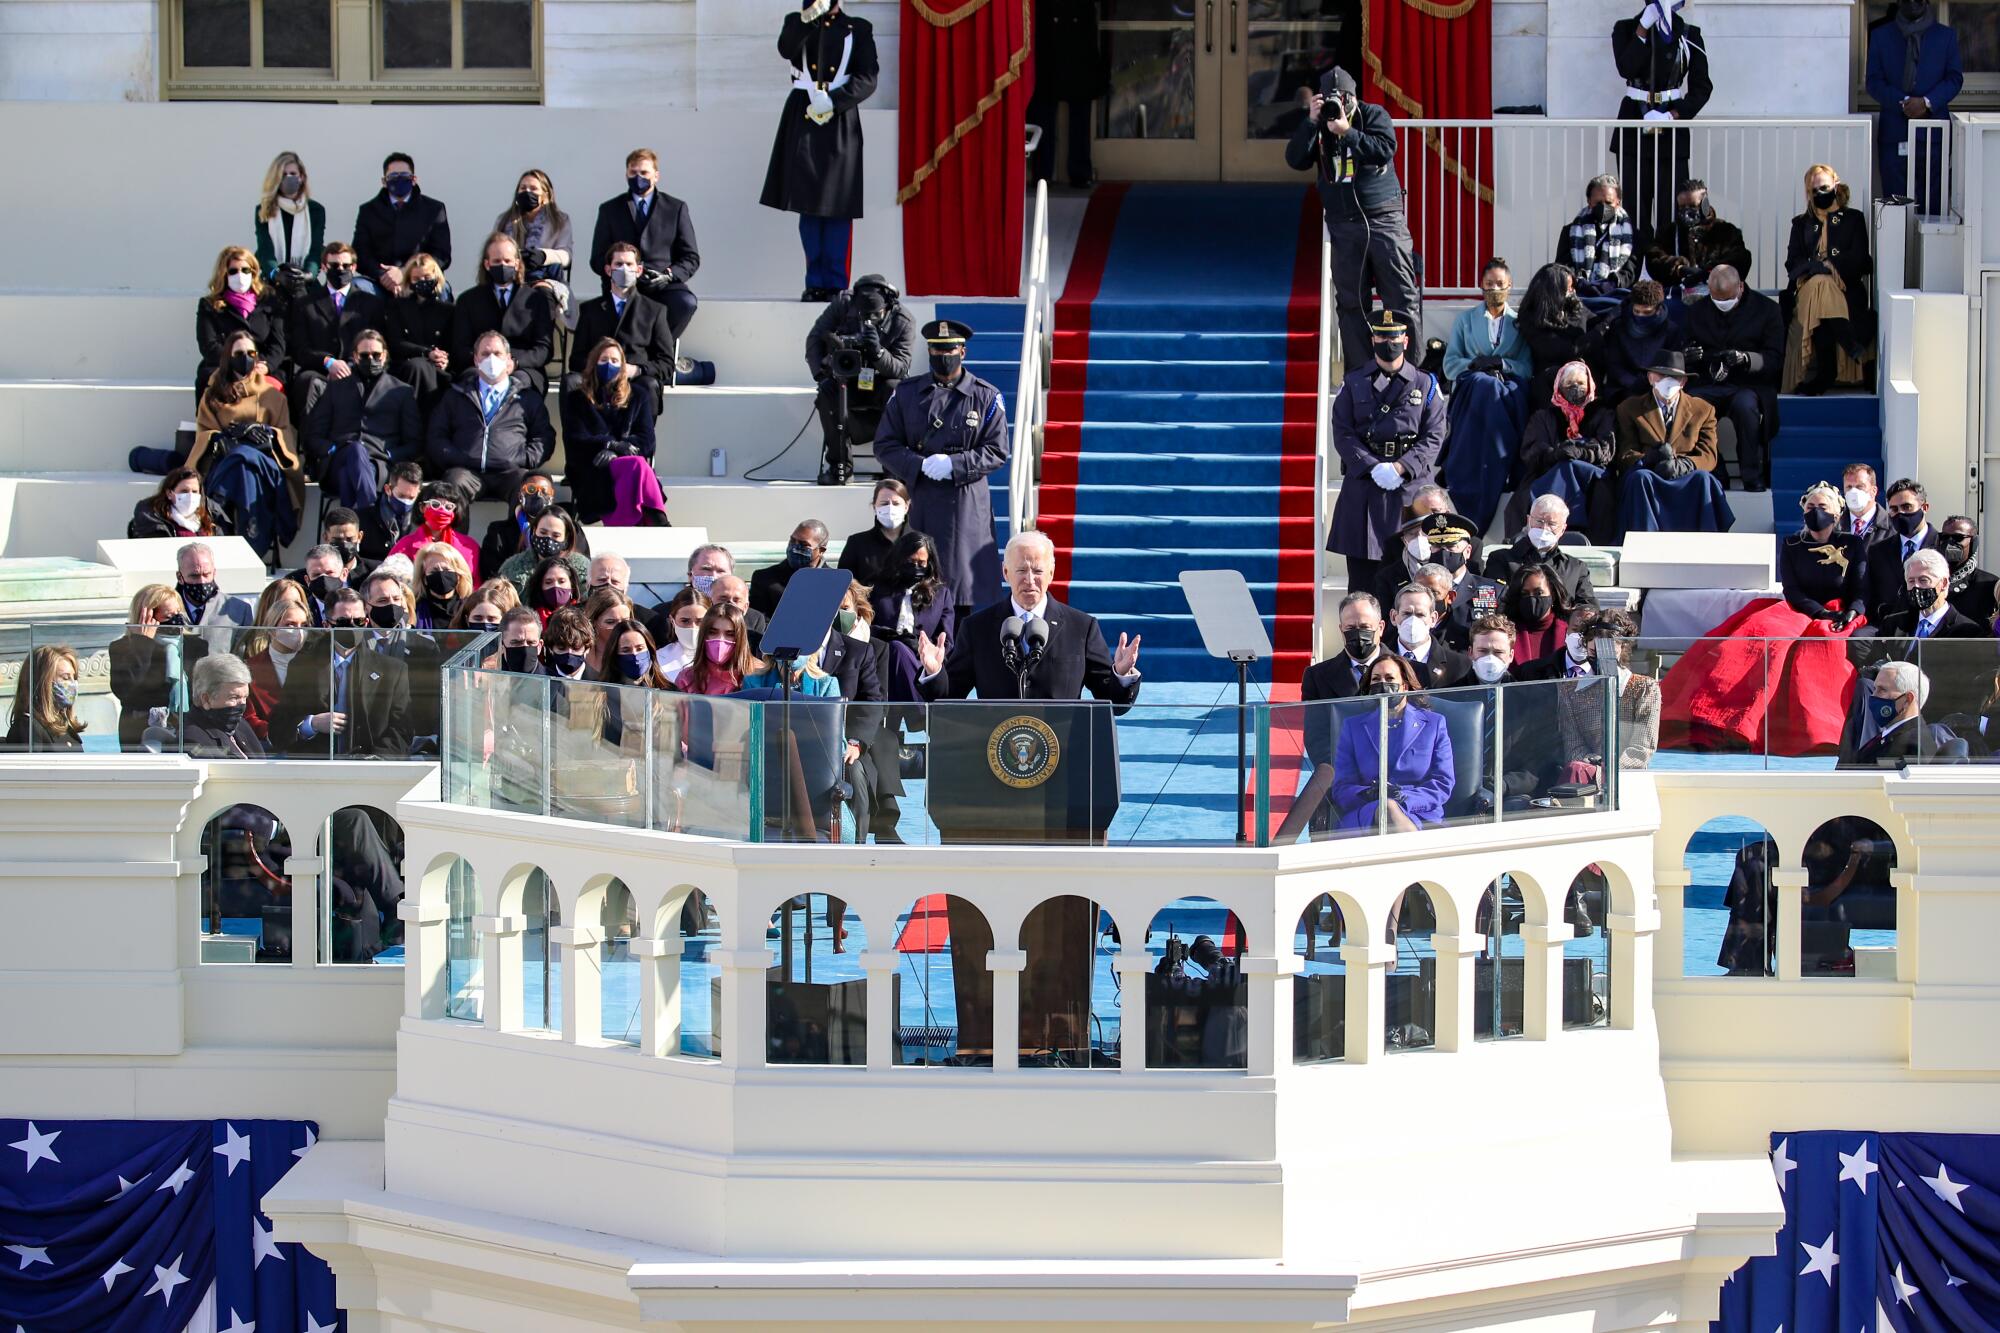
point(237, 301)
point(1566, 445)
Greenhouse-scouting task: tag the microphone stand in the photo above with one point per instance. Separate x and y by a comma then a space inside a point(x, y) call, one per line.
point(1242, 662)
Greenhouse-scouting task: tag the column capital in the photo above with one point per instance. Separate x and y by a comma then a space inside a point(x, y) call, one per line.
point(645, 948)
point(880, 960)
point(576, 937)
point(1785, 877)
point(418, 913)
point(1455, 945)
point(1290, 965)
point(1368, 955)
point(741, 960)
point(499, 925)
point(1006, 960)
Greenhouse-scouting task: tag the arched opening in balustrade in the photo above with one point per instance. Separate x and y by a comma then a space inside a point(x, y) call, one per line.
point(361, 850)
point(541, 964)
point(1319, 987)
point(1847, 915)
point(1070, 998)
point(246, 895)
point(1500, 972)
point(1409, 1014)
point(1729, 908)
point(1586, 959)
point(816, 1002)
point(943, 990)
point(692, 923)
point(1197, 1003)
point(617, 970)
point(464, 956)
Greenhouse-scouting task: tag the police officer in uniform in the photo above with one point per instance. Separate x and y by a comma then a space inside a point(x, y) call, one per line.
point(879, 341)
point(1388, 428)
point(815, 166)
point(941, 435)
point(1664, 64)
point(1351, 145)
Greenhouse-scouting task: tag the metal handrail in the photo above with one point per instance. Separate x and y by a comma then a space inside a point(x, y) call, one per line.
point(1031, 403)
point(1329, 348)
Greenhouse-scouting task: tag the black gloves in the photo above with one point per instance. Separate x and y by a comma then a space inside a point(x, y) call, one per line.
point(615, 449)
point(1845, 618)
point(1488, 365)
point(1665, 463)
point(534, 258)
point(653, 282)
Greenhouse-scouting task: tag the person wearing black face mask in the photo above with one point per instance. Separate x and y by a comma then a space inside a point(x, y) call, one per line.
point(941, 435)
point(504, 303)
point(806, 550)
point(321, 325)
point(1906, 508)
point(1599, 248)
point(219, 691)
point(1914, 72)
point(507, 537)
point(1972, 588)
point(345, 701)
point(1827, 267)
point(1663, 61)
point(1388, 430)
point(361, 424)
point(541, 229)
point(1633, 341)
point(815, 168)
point(1682, 257)
point(389, 519)
point(418, 324)
point(661, 228)
point(863, 343)
point(1345, 674)
point(398, 223)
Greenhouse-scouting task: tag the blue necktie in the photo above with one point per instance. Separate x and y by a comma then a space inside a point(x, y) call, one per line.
point(1923, 629)
point(338, 703)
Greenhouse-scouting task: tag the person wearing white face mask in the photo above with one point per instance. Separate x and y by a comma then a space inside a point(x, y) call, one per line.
point(490, 424)
point(1416, 618)
point(1539, 546)
point(180, 508)
point(1665, 464)
point(1736, 338)
point(866, 553)
point(639, 325)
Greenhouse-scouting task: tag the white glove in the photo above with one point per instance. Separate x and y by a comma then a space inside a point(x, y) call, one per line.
point(937, 467)
point(1386, 476)
point(819, 101)
point(1657, 114)
point(816, 11)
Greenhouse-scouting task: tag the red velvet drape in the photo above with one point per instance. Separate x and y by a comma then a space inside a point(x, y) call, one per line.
point(967, 69)
point(1433, 59)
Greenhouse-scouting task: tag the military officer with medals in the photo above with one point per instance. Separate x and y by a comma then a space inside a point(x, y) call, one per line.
point(1443, 540)
point(815, 166)
point(941, 435)
point(1388, 430)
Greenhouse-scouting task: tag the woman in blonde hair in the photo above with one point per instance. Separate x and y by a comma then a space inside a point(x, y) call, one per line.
point(290, 223)
point(604, 419)
point(240, 395)
point(1826, 293)
point(542, 231)
point(418, 325)
point(237, 301)
point(442, 581)
point(151, 661)
point(45, 702)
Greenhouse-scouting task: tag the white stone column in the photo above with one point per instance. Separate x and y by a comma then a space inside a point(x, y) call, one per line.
point(306, 874)
point(1542, 980)
point(1632, 967)
point(582, 983)
point(1456, 993)
point(1907, 921)
point(740, 1026)
point(1367, 997)
point(426, 970)
point(880, 965)
point(659, 995)
point(1132, 967)
point(1006, 966)
point(500, 961)
point(1670, 888)
point(1790, 884)
point(1269, 992)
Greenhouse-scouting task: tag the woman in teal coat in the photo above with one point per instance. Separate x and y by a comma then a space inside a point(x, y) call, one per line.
point(290, 225)
point(1489, 365)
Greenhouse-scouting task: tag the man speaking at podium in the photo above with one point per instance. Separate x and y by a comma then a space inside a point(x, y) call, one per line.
point(1030, 646)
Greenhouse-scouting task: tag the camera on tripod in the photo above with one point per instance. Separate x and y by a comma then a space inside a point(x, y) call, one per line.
point(853, 356)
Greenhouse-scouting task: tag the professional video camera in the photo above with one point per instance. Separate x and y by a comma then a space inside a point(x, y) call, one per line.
point(853, 356)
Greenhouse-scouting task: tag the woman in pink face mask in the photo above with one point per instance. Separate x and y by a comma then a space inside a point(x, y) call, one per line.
point(722, 655)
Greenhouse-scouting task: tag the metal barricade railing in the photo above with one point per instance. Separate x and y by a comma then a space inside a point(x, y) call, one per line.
point(1329, 352)
point(1932, 185)
point(1031, 403)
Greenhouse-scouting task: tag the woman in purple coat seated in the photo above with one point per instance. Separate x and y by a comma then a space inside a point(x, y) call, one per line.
point(1420, 772)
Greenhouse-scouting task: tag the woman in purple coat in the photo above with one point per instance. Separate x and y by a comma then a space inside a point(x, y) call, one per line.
point(1420, 773)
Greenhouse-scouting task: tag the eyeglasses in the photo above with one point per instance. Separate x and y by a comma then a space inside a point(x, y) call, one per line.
point(234, 271)
point(340, 268)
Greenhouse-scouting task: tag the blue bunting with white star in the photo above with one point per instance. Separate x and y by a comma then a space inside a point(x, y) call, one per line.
point(1904, 1225)
point(142, 1226)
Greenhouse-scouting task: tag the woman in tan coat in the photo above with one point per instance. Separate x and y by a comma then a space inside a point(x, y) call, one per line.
point(240, 393)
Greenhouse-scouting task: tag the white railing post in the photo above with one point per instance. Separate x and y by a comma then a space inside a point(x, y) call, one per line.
point(1329, 348)
point(1031, 388)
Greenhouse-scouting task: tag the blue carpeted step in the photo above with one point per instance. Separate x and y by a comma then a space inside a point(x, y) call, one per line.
point(988, 320)
point(1185, 345)
point(1138, 468)
point(1820, 436)
point(1233, 501)
point(1212, 316)
point(1187, 405)
point(1118, 597)
point(1183, 437)
point(1210, 532)
point(1140, 564)
point(1192, 663)
point(1197, 376)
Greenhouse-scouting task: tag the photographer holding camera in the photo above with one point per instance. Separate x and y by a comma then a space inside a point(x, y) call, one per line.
point(1352, 145)
point(859, 349)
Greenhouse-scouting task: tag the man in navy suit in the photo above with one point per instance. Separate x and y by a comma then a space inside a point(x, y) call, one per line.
point(660, 227)
point(1075, 659)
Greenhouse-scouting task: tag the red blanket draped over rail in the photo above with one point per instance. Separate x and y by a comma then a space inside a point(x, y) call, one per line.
point(967, 68)
point(1433, 59)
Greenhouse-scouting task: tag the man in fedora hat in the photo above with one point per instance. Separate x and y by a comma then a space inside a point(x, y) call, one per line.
point(941, 435)
point(1388, 429)
point(1351, 146)
point(1665, 438)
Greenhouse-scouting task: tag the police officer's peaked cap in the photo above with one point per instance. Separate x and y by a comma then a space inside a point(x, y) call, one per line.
point(946, 331)
point(1445, 529)
point(1387, 323)
point(878, 283)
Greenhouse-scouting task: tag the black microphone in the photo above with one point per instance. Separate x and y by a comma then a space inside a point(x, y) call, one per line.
point(1035, 639)
point(1010, 642)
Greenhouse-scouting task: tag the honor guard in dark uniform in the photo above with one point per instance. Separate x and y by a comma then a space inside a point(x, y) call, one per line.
point(1388, 428)
point(942, 434)
point(1664, 64)
point(816, 160)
